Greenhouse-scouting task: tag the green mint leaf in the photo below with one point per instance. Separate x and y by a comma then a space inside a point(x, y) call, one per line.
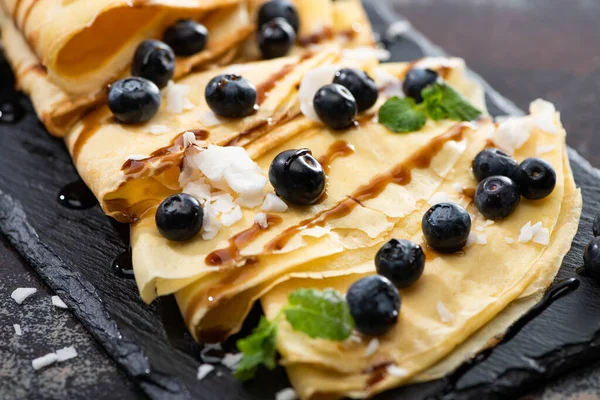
point(258, 349)
point(443, 102)
point(402, 115)
point(320, 314)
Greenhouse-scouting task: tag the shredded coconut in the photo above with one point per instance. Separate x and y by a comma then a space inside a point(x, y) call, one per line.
point(312, 81)
point(509, 240)
point(44, 361)
point(536, 232)
point(232, 360)
point(274, 203)
point(201, 191)
point(444, 313)
point(261, 220)
point(481, 239)
point(20, 294)
point(209, 119)
point(372, 347)
point(57, 302)
point(210, 223)
point(488, 222)
point(458, 188)
point(513, 133)
point(188, 139)
point(17, 329)
point(204, 370)
point(158, 129)
point(366, 53)
point(286, 394)
point(438, 197)
point(472, 239)
point(394, 370)
point(137, 157)
point(176, 94)
point(545, 149)
point(544, 114)
point(231, 217)
point(66, 353)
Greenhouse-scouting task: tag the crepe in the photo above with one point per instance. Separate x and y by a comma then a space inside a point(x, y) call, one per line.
point(65, 53)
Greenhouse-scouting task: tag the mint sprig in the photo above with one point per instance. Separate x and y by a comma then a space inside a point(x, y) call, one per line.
point(319, 314)
point(440, 101)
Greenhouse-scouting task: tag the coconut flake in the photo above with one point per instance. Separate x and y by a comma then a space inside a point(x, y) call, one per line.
point(488, 222)
point(545, 149)
point(189, 139)
point(481, 239)
point(176, 97)
point(137, 157)
point(479, 228)
point(44, 361)
point(509, 240)
point(286, 394)
point(17, 329)
point(542, 236)
point(209, 119)
point(312, 81)
point(207, 348)
point(526, 233)
point(232, 360)
point(204, 370)
point(250, 201)
point(20, 294)
point(372, 347)
point(444, 313)
point(57, 302)
point(366, 53)
point(188, 105)
point(210, 223)
point(438, 197)
point(66, 353)
point(396, 371)
point(472, 239)
point(223, 203)
point(158, 129)
point(201, 191)
point(274, 204)
point(388, 84)
point(261, 220)
point(543, 113)
point(458, 188)
point(231, 217)
point(513, 133)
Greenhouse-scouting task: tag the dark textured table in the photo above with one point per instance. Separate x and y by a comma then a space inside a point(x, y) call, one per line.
point(524, 48)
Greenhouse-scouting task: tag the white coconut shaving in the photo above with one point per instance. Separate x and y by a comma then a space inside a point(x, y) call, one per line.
point(188, 105)
point(543, 114)
point(481, 239)
point(189, 139)
point(20, 294)
point(200, 191)
point(286, 394)
point(472, 239)
point(372, 347)
point(209, 119)
point(274, 204)
point(509, 240)
point(512, 134)
point(44, 361)
point(545, 149)
point(488, 222)
point(176, 94)
point(207, 348)
point(444, 313)
point(17, 329)
point(210, 223)
point(457, 187)
point(312, 81)
point(66, 353)
point(204, 370)
point(366, 53)
point(250, 201)
point(231, 217)
point(389, 85)
point(536, 232)
point(232, 360)
point(395, 370)
point(158, 129)
point(480, 228)
point(438, 197)
point(261, 220)
point(223, 203)
point(137, 157)
point(57, 302)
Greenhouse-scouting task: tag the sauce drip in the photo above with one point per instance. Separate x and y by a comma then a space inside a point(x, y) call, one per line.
point(122, 265)
point(231, 254)
point(469, 192)
point(338, 149)
point(315, 38)
point(91, 124)
point(400, 174)
point(77, 196)
point(264, 88)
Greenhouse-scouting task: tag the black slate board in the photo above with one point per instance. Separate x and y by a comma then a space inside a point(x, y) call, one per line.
point(73, 250)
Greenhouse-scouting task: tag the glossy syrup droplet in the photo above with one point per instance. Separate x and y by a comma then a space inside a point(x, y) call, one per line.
point(122, 265)
point(77, 196)
point(11, 111)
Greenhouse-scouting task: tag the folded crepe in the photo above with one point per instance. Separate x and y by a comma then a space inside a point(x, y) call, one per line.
point(64, 53)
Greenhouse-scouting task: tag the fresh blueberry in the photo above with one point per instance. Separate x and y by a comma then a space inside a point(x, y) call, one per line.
point(401, 261)
point(591, 258)
point(186, 37)
point(155, 61)
point(374, 304)
point(279, 9)
point(497, 197)
point(416, 80)
point(275, 38)
point(491, 162)
point(230, 96)
point(596, 225)
point(335, 106)
point(179, 217)
point(297, 177)
point(446, 227)
point(536, 178)
point(133, 100)
point(361, 85)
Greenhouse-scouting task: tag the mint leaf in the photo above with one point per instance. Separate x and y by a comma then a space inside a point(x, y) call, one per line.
point(402, 115)
point(258, 349)
point(320, 314)
point(443, 102)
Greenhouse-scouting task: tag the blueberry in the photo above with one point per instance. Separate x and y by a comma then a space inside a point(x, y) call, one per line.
point(497, 197)
point(275, 38)
point(279, 9)
point(591, 259)
point(133, 100)
point(490, 162)
point(374, 304)
point(230, 96)
point(536, 178)
point(361, 85)
point(596, 225)
point(179, 217)
point(416, 80)
point(401, 261)
point(335, 106)
point(186, 37)
point(155, 61)
point(297, 177)
point(446, 227)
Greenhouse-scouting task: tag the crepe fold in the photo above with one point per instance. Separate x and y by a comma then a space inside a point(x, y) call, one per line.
point(64, 53)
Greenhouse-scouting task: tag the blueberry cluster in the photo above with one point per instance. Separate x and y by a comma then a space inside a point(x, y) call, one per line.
point(137, 99)
point(278, 25)
point(502, 182)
